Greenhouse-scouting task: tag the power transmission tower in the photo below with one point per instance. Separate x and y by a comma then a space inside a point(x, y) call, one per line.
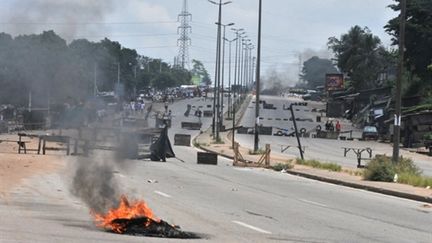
point(184, 41)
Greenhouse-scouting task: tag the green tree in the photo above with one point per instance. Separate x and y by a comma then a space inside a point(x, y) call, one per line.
point(200, 71)
point(360, 55)
point(314, 71)
point(163, 80)
point(418, 42)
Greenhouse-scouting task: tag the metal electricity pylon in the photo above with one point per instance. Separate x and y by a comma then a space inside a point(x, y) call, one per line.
point(184, 40)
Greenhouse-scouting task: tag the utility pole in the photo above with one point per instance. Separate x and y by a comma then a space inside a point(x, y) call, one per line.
point(398, 98)
point(215, 127)
point(257, 86)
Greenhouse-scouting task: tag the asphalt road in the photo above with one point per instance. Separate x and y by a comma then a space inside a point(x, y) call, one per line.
point(327, 150)
point(223, 203)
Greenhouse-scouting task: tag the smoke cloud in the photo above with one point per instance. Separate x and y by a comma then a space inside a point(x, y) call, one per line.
point(94, 182)
point(66, 17)
point(285, 75)
point(321, 53)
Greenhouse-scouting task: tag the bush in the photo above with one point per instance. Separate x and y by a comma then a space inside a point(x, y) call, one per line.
point(282, 166)
point(380, 169)
point(407, 166)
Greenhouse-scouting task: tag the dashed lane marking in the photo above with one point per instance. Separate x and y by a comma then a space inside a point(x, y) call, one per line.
point(251, 227)
point(312, 202)
point(162, 194)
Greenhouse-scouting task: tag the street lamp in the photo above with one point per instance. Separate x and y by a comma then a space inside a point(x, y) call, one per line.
point(215, 128)
point(229, 76)
point(245, 43)
point(238, 33)
point(135, 76)
point(223, 74)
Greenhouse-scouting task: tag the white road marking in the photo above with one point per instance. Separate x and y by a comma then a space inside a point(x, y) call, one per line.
point(162, 194)
point(312, 202)
point(251, 227)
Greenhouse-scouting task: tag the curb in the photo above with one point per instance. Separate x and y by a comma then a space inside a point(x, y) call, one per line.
point(345, 183)
point(363, 187)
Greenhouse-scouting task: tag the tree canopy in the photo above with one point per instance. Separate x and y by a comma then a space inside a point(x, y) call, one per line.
point(54, 71)
point(200, 71)
point(314, 71)
point(360, 55)
point(418, 42)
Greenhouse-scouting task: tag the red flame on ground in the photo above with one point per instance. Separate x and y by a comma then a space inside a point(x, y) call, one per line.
point(125, 210)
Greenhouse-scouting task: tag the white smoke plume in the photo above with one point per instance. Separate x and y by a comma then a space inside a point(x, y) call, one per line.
point(68, 18)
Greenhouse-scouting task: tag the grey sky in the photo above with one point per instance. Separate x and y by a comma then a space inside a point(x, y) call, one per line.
point(289, 27)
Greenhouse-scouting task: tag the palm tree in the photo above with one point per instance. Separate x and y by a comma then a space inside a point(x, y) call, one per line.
point(360, 55)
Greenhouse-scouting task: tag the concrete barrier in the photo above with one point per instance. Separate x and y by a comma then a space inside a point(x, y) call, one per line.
point(182, 139)
point(191, 125)
point(208, 113)
point(327, 134)
point(207, 158)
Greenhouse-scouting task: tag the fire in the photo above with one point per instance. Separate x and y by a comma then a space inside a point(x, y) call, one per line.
point(125, 210)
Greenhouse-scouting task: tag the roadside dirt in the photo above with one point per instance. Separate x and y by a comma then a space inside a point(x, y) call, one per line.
point(15, 167)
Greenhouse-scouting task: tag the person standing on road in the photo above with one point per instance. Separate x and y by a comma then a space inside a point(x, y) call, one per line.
point(166, 106)
point(338, 126)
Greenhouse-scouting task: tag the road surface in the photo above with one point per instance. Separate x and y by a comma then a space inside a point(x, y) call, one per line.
point(222, 203)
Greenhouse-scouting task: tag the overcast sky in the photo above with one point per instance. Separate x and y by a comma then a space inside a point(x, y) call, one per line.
point(150, 26)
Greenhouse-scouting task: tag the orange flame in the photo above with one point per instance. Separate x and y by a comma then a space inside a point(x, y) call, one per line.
point(125, 210)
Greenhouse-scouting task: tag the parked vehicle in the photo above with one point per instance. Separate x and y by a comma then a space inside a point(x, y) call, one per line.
point(370, 132)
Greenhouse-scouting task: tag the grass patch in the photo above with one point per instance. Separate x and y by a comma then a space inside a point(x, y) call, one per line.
point(354, 172)
point(381, 168)
point(282, 166)
point(320, 165)
point(415, 180)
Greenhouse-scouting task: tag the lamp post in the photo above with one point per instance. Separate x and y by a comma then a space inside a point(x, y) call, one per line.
point(135, 76)
point(245, 45)
point(257, 85)
point(95, 80)
point(238, 33)
point(117, 89)
point(223, 74)
point(251, 64)
point(229, 76)
point(215, 128)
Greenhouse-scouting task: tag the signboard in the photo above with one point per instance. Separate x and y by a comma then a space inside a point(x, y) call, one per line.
point(334, 81)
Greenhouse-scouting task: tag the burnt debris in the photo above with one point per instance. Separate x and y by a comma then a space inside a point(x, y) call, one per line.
point(144, 226)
